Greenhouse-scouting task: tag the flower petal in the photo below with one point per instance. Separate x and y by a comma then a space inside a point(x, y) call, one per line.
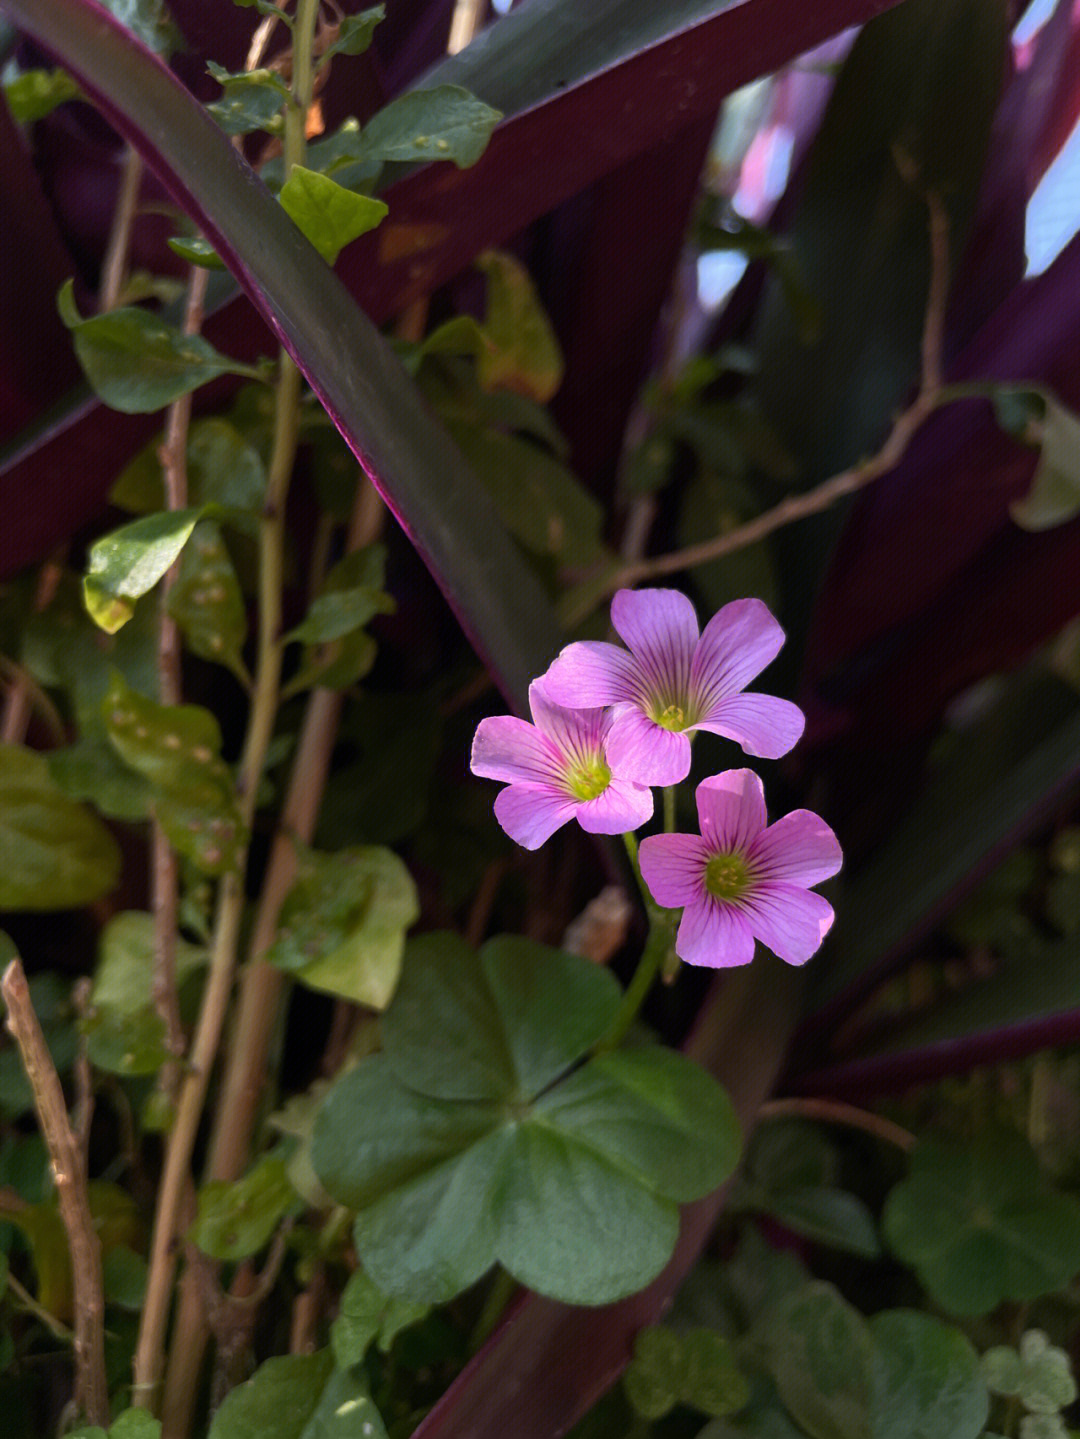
point(762, 724)
point(731, 810)
point(714, 934)
point(800, 849)
point(790, 920)
point(661, 628)
point(622, 807)
point(673, 866)
point(735, 646)
point(508, 748)
point(530, 815)
point(642, 751)
point(575, 733)
point(590, 673)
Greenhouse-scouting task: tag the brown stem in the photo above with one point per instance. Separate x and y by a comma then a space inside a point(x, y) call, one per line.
point(797, 507)
point(835, 1111)
point(25, 693)
point(114, 266)
point(69, 1171)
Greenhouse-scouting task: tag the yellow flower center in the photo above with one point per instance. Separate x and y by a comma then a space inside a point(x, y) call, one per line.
point(588, 778)
point(727, 876)
point(672, 718)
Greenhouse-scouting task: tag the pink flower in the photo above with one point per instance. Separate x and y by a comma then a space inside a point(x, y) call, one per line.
point(557, 770)
point(674, 680)
point(742, 880)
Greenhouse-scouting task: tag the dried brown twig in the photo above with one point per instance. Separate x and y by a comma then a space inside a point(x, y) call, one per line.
point(69, 1171)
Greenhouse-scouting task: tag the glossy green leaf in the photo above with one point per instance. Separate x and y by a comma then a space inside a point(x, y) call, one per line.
point(900, 1375)
point(328, 214)
point(235, 1220)
point(127, 563)
point(444, 123)
point(460, 1145)
point(177, 749)
point(135, 361)
point(205, 601)
point(1054, 496)
point(524, 354)
point(299, 1396)
point(366, 1315)
point(979, 1224)
point(33, 94)
point(125, 1034)
point(342, 926)
point(196, 251)
point(223, 468)
point(123, 1277)
point(91, 770)
point(54, 854)
point(352, 595)
point(355, 32)
point(252, 100)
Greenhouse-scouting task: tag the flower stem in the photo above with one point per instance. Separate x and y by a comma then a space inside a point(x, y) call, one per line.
point(657, 947)
point(669, 809)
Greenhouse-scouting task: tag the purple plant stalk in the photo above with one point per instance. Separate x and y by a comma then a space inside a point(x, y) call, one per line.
point(674, 680)
point(743, 879)
point(556, 770)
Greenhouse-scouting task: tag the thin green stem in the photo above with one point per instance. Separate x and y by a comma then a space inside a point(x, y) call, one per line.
point(669, 809)
point(657, 947)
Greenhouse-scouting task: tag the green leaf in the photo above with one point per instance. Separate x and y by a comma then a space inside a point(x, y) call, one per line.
point(654, 1377)
point(124, 1032)
point(337, 651)
point(342, 926)
point(1040, 1375)
point(1054, 496)
point(223, 468)
point(54, 854)
point(135, 1424)
point(826, 1216)
point(33, 94)
point(196, 251)
point(206, 602)
point(524, 353)
point(712, 1382)
point(355, 32)
point(177, 749)
point(459, 1145)
point(135, 362)
point(126, 564)
point(445, 123)
point(694, 1368)
point(980, 1224)
point(150, 21)
point(253, 100)
point(328, 214)
point(123, 1274)
point(902, 1375)
point(365, 1315)
point(234, 1221)
point(298, 1396)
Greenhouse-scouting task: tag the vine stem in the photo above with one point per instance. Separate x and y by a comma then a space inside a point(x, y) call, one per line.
point(930, 396)
point(69, 1171)
point(149, 1352)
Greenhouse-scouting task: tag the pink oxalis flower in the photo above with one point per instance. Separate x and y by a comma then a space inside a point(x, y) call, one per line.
point(556, 770)
point(674, 680)
point(743, 879)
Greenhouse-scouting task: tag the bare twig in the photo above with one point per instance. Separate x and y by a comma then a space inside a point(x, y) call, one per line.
point(307, 1306)
point(29, 1303)
point(798, 507)
point(482, 905)
point(84, 1080)
point(834, 1111)
point(69, 1171)
point(114, 266)
point(25, 694)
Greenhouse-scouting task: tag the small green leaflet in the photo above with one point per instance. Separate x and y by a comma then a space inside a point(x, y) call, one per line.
point(33, 94)
point(1054, 496)
point(524, 353)
point(54, 854)
point(224, 469)
point(337, 651)
point(196, 251)
point(354, 33)
point(207, 604)
point(365, 1315)
point(130, 561)
point(234, 1221)
point(1040, 1375)
point(135, 362)
point(445, 123)
point(253, 100)
point(694, 1367)
point(328, 215)
point(299, 1396)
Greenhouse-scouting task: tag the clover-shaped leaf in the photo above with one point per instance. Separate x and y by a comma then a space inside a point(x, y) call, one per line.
point(177, 749)
point(694, 1368)
point(1039, 1375)
point(900, 1375)
point(343, 923)
point(980, 1224)
point(484, 1137)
